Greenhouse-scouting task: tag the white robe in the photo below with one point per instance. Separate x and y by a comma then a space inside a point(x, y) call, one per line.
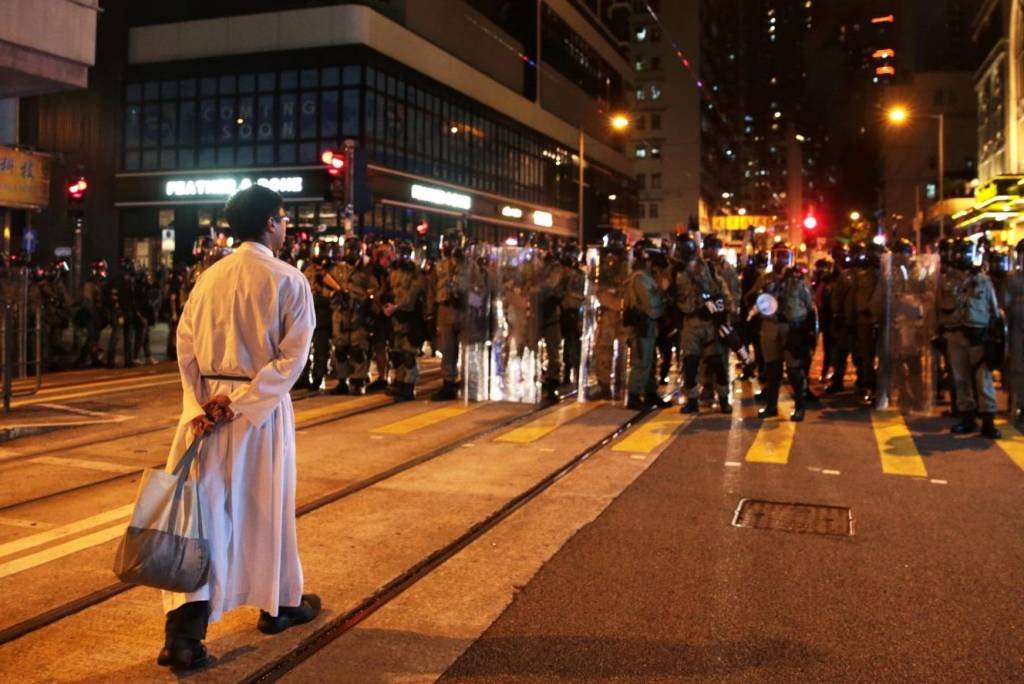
point(249, 315)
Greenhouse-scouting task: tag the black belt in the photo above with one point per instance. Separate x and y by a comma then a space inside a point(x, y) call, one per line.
point(227, 378)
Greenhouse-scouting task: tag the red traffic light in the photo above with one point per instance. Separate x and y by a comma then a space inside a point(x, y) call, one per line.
point(77, 188)
point(334, 161)
point(810, 223)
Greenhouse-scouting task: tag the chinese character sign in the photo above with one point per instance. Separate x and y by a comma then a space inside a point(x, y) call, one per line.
point(24, 178)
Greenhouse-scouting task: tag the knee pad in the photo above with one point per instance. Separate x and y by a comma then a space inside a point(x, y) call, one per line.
point(357, 355)
point(341, 353)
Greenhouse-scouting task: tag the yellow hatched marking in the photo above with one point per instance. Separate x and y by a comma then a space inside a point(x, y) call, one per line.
point(93, 393)
point(422, 420)
point(896, 445)
point(339, 407)
point(546, 424)
point(651, 434)
point(1012, 443)
point(774, 438)
point(67, 548)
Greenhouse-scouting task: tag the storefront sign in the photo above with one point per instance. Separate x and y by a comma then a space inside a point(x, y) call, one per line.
point(441, 197)
point(511, 212)
point(999, 188)
point(543, 219)
point(24, 178)
point(225, 187)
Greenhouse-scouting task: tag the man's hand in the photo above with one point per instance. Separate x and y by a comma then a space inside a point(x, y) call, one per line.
point(218, 409)
point(201, 425)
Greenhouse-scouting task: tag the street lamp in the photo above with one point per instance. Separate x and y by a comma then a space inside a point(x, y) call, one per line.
point(855, 216)
point(900, 115)
point(618, 122)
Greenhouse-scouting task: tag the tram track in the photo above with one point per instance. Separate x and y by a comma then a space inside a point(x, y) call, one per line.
point(63, 450)
point(102, 594)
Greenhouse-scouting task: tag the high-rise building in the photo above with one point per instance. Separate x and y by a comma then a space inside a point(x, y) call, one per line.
point(686, 111)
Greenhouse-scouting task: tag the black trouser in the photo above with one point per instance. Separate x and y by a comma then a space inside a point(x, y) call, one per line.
point(188, 621)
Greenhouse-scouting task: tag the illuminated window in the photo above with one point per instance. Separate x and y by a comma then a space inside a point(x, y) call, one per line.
point(641, 151)
point(655, 92)
point(641, 94)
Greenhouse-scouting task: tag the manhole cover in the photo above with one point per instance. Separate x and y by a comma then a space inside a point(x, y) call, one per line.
point(794, 517)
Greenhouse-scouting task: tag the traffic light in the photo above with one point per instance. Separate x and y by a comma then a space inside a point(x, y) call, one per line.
point(77, 188)
point(338, 171)
point(334, 161)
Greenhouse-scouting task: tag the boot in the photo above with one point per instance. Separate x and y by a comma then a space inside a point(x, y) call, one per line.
point(988, 426)
point(317, 384)
point(692, 405)
point(723, 403)
point(635, 402)
point(768, 412)
point(340, 389)
point(378, 385)
point(603, 392)
point(447, 392)
point(835, 388)
point(549, 389)
point(653, 399)
point(406, 392)
point(967, 424)
point(358, 387)
point(797, 415)
point(180, 653)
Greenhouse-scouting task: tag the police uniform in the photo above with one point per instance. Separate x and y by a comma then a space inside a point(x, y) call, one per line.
point(350, 320)
point(976, 301)
point(784, 338)
point(1013, 304)
point(697, 287)
point(322, 333)
point(448, 304)
point(612, 335)
point(842, 327)
point(548, 285)
point(866, 303)
point(646, 304)
point(948, 318)
point(575, 282)
point(407, 328)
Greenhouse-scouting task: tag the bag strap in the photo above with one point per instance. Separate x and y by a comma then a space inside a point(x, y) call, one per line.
point(182, 471)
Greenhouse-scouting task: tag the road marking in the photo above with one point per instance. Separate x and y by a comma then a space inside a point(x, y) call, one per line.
point(19, 545)
point(92, 393)
point(651, 434)
point(774, 440)
point(65, 461)
point(67, 548)
point(547, 423)
point(98, 382)
point(336, 407)
point(829, 472)
point(733, 464)
point(423, 420)
point(934, 481)
point(896, 447)
point(83, 412)
point(30, 524)
point(1012, 443)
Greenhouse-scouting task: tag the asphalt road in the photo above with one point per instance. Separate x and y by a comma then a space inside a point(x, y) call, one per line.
point(662, 586)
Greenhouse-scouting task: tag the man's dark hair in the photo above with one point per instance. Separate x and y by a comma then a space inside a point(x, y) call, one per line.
point(248, 210)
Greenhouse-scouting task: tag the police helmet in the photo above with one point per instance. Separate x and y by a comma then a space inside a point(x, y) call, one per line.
point(782, 256)
point(999, 262)
point(684, 249)
point(404, 252)
point(840, 256)
point(713, 242)
point(859, 255)
point(761, 259)
point(353, 250)
point(645, 251)
point(903, 247)
point(964, 255)
point(614, 241)
point(875, 252)
point(540, 241)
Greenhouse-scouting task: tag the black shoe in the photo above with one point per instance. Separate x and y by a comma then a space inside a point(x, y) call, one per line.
point(988, 427)
point(316, 385)
point(635, 402)
point(180, 653)
point(966, 426)
point(768, 412)
point(289, 617)
point(724, 406)
point(654, 400)
point(447, 392)
point(340, 389)
point(692, 405)
point(797, 415)
point(549, 390)
point(358, 387)
point(378, 385)
point(760, 396)
point(811, 396)
point(404, 391)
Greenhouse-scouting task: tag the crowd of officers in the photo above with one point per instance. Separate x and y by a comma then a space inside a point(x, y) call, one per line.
point(677, 304)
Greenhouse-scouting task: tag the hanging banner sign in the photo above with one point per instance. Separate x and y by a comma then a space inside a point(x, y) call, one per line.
point(24, 178)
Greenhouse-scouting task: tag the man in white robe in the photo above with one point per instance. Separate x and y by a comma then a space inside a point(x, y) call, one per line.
point(243, 339)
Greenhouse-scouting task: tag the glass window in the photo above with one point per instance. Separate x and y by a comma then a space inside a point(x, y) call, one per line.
point(168, 125)
point(133, 92)
point(168, 158)
point(330, 77)
point(132, 125)
point(310, 78)
point(286, 153)
point(150, 125)
point(246, 119)
point(655, 151)
point(267, 81)
point(641, 180)
point(245, 156)
point(350, 75)
point(350, 113)
point(655, 181)
point(187, 87)
point(207, 157)
point(653, 211)
point(287, 114)
point(226, 121)
point(308, 114)
point(265, 117)
point(150, 159)
point(655, 122)
point(208, 86)
point(641, 151)
point(641, 94)
point(640, 210)
point(655, 92)
point(289, 80)
point(246, 83)
point(151, 91)
point(329, 114)
point(225, 156)
point(641, 123)
point(169, 90)
point(227, 85)
point(264, 154)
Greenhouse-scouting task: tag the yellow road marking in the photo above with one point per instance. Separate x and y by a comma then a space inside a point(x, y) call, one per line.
point(651, 434)
point(546, 424)
point(774, 438)
point(104, 466)
point(31, 524)
point(422, 420)
point(45, 556)
point(1012, 443)
point(337, 407)
point(93, 393)
point(896, 447)
point(70, 387)
point(18, 545)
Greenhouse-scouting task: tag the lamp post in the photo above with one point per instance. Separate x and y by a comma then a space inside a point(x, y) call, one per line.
point(618, 122)
point(900, 115)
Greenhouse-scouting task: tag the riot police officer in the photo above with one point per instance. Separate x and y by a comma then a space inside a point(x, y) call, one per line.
point(575, 282)
point(545, 280)
point(866, 306)
point(1013, 304)
point(705, 300)
point(750, 332)
point(612, 335)
point(977, 309)
point(947, 319)
point(324, 288)
point(91, 315)
point(119, 302)
point(720, 268)
point(56, 312)
point(643, 305)
point(350, 319)
point(380, 323)
point(447, 304)
point(405, 309)
point(785, 313)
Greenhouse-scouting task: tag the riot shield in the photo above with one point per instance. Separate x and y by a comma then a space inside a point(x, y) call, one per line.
point(515, 362)
point(606, 338)
point(586, 374)
point(478, 278)
point(906, 363)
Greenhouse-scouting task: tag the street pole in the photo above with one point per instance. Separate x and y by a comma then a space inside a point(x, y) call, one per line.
point(942, 174)
point(579, 220)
